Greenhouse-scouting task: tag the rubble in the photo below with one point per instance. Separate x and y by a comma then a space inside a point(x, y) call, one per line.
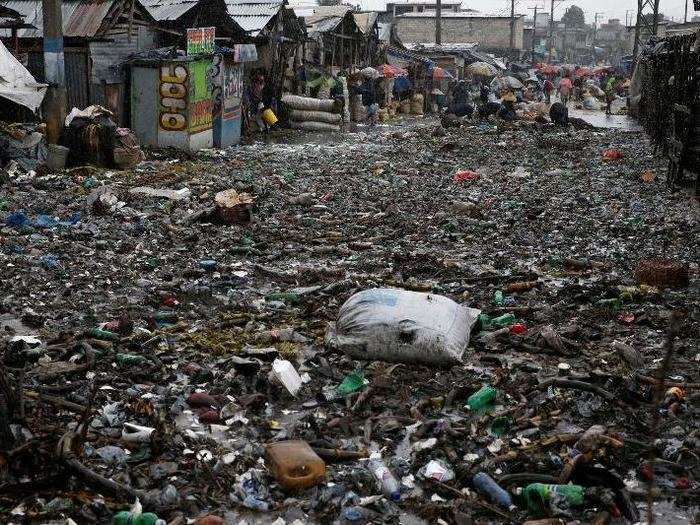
point(152, 351)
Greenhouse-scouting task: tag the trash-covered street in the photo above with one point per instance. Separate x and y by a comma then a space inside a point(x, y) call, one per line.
point(163, 341)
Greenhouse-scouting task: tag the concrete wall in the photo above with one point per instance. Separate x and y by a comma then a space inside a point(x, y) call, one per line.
point(487, 32)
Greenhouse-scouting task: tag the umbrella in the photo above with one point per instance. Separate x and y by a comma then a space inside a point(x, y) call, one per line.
point(583, 71)
point(439, 74)
point(390, 71)
point(482, 68)
point(506, 83)
point(513, 82)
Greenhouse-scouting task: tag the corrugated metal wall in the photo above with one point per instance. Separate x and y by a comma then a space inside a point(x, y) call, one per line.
point(77, 74)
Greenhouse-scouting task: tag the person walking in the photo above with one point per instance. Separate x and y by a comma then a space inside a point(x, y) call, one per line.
point(548, 88)
point(564, 90)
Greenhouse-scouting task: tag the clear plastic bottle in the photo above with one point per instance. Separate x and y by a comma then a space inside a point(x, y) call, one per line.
point(390, 486)
point(486, 484)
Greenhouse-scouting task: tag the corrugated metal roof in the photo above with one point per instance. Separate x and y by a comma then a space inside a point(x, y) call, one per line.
point(168, 10)
point(80, 19)
point(365, 21)
point(87, 18)
point(253, 15)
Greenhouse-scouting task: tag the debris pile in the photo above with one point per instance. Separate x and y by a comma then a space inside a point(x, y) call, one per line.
point(347, 331)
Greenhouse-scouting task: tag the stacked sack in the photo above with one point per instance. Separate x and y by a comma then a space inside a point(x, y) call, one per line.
point(312, 114)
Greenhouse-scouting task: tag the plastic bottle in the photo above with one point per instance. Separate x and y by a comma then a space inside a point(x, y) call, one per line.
point(486, 484)
point(498, 298)
point(390, 486)
point(126, 517)
point(556, 497)
point(104, 335)
point(131, 359)
point(351, 383)
point(503, 320)
point(294, 464)
point(482, 397)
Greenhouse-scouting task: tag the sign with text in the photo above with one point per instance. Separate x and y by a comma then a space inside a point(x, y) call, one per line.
point(200, 40)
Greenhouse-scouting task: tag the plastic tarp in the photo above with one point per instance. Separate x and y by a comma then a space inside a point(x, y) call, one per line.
point(17, 84)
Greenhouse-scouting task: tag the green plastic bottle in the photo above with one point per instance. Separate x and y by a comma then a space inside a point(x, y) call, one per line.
point(351, 383)
point(503, 320)
point(126, 517)
point(539, 496)
point(104, 335)
point(482, 398)
point(610, 304)
point(498, 298)
point(287, 297)
point(131, 359)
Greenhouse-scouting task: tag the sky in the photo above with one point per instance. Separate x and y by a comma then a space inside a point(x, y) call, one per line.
point(606, 8)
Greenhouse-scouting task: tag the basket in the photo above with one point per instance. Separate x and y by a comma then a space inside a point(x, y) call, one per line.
point(662, 273)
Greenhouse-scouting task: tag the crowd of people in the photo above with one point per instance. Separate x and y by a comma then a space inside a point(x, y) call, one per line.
point(483, 97)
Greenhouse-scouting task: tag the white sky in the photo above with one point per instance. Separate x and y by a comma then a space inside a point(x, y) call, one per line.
point(608, 8)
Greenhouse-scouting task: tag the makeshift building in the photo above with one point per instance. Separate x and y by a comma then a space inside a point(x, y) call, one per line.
point(368, 25)
point(334, 38)
point(17, 84)
point(179, 15)
point(98, 35)
point(276, 32)
point(10, 22)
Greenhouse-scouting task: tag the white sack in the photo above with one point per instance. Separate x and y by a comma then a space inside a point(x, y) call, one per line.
point(400, 326)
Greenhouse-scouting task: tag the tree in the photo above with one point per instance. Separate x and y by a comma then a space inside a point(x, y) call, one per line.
point(574, 17)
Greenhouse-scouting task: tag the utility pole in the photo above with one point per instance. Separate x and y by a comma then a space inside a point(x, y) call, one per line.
point(551, 28)
point(534, 33)
point(595, 36)
point(685, 17)
point(647, 21)
point(627, 12)
point(54, 69)
point(438, 22)
point(512, 25)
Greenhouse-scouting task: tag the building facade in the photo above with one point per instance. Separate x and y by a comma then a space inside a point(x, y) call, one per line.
point(490, 32)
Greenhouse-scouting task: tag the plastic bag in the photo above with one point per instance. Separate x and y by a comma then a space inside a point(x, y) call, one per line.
point(401, 326)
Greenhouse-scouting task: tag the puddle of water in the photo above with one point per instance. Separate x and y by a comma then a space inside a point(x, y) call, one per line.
point(600, 120)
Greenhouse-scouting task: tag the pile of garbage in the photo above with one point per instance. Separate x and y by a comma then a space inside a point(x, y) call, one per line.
point(493, 323)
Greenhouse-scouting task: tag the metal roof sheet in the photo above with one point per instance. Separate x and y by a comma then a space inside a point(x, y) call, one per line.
point(168, 10)
point(253, 15)
point(87, 18)
point(365, 21)
point(80, 19)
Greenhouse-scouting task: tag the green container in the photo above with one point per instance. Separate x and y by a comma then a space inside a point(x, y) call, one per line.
point(104, 335)
point(287, 297)
point(352, 383)
point(131, 359)
point(498, 298)
point(130, 518)
point(482, 398)
point(541, 496)
point(488, 323)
